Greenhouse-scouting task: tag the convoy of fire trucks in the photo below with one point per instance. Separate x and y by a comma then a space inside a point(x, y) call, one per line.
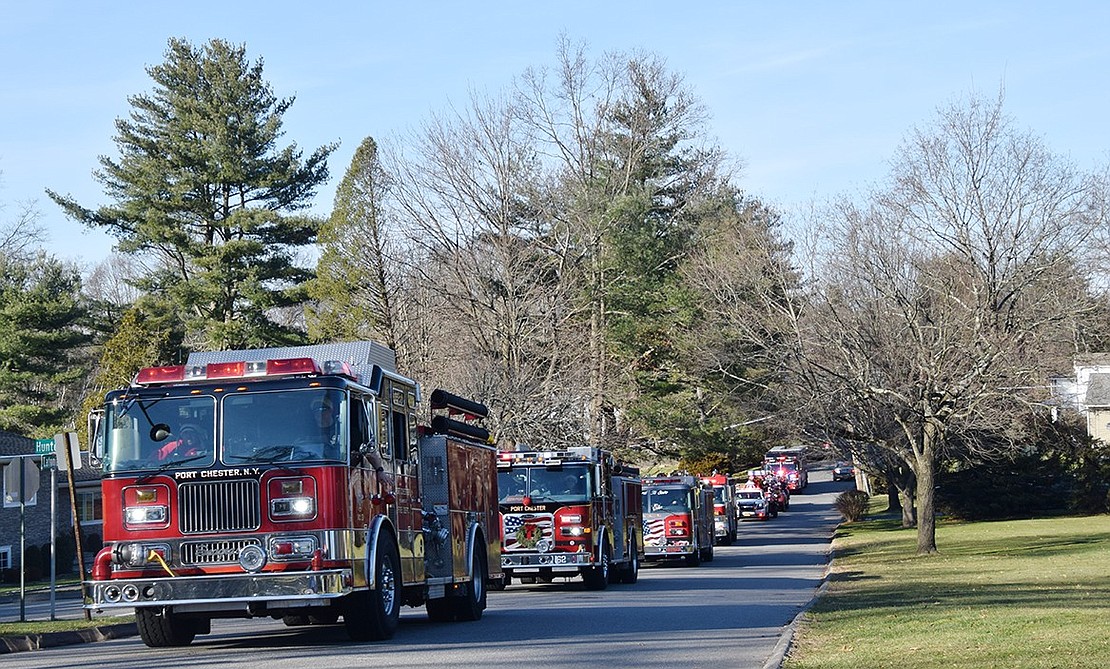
point(300, 484)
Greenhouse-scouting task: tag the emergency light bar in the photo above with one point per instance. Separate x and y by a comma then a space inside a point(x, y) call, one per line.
point(152, 376)
point(542, 457)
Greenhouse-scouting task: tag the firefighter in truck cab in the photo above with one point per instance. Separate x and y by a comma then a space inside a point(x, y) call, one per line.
point(568, 513)
point(296, 484)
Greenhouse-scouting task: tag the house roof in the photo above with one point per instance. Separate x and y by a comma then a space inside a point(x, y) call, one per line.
point(14, 444)
point(1098, 391)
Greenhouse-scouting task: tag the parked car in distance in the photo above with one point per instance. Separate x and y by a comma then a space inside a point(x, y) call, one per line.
point(844, 471)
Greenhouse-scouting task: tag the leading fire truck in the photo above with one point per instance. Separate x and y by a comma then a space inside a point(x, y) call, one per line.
point(292, 483)
point(569, 512)
point(678, 519)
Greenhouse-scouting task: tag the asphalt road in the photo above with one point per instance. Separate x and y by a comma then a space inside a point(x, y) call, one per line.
point(729, 612)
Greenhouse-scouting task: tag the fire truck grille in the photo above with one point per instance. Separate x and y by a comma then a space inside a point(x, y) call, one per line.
point(213, 552)
point(219, 506)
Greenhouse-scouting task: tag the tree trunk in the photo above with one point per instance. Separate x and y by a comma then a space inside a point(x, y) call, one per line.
point(926, 502)
point(907, 507)
point(893, 492)
point(903, 482)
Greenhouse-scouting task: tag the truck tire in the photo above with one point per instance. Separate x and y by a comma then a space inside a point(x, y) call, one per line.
point(374, 615)
point(693, 559)
point(597, 578)
point(630, 571)
point(470, 606)
point(162, 629)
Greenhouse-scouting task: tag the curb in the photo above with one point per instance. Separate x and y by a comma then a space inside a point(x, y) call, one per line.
point(15, 644)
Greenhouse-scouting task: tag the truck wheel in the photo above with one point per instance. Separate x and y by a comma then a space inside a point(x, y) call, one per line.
point(693, 559)
point(631, 571)
point(373, 615)
point(471, 605)
point(708, 557)
point(162, 629)
point(597, 578)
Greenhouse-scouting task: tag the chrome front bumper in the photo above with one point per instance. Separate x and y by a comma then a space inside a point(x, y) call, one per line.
point(225, 592)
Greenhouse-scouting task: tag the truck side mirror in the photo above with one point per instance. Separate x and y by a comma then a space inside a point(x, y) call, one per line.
point(96, 441)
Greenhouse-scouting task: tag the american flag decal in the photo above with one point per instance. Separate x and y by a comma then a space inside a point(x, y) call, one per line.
point(654, 534)
point(529, 532)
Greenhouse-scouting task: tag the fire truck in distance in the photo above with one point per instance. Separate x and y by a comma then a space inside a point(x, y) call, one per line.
point(678, 519)
point(789, 465)
point(569, 512)
point(724, 508)
point(282, 483)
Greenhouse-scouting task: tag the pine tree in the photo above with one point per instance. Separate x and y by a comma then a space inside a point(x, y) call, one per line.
point(352, 296)
point(42, 334)
point(202, 186)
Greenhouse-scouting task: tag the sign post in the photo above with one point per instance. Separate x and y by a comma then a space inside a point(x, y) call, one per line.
point(22, 475)
point(71, 455)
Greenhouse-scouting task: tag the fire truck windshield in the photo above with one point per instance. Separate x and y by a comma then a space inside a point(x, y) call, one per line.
point(559, 484)
point(284, 426)
point(145, 434)
point(256, 427)
point(666, 499)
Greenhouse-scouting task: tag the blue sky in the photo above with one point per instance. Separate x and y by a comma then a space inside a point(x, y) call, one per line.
point(812, 97)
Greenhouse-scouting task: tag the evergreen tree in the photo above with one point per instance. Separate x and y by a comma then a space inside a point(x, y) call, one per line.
point(138, 342)
point(202, 186)
point(352, 296)
point(41, 311)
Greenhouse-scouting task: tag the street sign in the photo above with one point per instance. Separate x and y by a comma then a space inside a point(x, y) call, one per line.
point(44, 446)
point(49, 462)
point(60, 441)
point(30, 480)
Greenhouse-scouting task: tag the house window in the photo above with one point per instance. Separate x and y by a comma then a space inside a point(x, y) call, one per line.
point(5, 557)
point(89, 507)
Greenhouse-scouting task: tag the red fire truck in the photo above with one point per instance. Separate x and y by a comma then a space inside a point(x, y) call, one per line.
point(724, 508)
point(569, 512)
point(788, 464)
point(292, 483)
point(678, 519)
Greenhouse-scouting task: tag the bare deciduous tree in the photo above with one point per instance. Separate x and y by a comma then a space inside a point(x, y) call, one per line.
point(948, 298)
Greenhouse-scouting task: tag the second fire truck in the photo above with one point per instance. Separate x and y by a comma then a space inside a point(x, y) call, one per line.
point(569, 512)
point(724, 508)
point(678, 519)
point(291, 483)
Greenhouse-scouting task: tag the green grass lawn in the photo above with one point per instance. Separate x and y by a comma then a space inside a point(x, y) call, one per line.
point(44, 626)
point(1013, 594)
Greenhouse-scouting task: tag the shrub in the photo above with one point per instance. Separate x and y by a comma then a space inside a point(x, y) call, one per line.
point(852, 504)
point(32, 567)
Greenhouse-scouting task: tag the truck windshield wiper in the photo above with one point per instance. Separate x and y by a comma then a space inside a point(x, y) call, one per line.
point(170, 465)
point(270, 455)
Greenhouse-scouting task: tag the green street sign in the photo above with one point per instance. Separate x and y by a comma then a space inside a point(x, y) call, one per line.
point(44, 446)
